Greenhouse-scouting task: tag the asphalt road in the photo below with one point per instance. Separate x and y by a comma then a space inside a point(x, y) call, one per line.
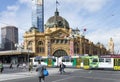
point(77, 76)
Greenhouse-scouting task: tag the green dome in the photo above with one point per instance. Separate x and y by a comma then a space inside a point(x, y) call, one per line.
point(57, 21)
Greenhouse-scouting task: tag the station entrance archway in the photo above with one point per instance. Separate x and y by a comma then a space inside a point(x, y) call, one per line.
point(59, 53)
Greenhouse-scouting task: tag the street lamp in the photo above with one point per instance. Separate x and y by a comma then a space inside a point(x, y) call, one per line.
point(28, 57)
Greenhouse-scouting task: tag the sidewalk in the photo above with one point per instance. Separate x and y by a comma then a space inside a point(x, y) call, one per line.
point(19, 75)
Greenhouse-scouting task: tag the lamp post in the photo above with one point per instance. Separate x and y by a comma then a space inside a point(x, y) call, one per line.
point(28, 57)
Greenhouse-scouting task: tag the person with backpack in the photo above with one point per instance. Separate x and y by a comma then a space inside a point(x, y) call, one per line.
point(41, 70)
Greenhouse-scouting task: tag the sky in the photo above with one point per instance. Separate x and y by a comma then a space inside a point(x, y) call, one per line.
point(101, 18)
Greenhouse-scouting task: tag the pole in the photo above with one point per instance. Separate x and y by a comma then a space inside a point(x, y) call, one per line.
point(28, 59)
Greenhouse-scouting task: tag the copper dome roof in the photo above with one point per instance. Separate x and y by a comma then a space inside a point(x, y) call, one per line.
point(57, 21)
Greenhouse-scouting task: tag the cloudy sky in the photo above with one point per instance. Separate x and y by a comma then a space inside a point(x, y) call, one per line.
point(101, 18)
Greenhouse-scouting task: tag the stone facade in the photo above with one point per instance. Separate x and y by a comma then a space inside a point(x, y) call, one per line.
point(59, 39)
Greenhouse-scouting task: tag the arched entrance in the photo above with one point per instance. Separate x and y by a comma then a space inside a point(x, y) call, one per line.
point(59, 53)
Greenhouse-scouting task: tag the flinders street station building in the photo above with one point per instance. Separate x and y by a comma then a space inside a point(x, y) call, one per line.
point(59, 39)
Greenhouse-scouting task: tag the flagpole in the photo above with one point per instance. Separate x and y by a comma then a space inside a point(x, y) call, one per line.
point(56, 4)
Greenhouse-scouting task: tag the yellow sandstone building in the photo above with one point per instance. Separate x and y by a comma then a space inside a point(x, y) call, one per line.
point(59, 39)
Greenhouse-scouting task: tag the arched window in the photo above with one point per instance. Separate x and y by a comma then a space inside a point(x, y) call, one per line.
point(40, 43)
point(76, 48)
point(40, 47)
point(29, 45)
point(60, 53)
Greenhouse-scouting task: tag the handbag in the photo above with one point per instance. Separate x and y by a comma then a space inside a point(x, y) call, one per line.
point(45, 72)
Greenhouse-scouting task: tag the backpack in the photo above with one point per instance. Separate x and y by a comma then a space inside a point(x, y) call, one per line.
point(45, 72)
point(64, 65)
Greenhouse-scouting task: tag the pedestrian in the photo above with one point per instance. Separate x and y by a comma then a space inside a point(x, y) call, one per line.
point(24, 66)
point(30, 66)
point(40, 69)
point(61, 68)
point(64, 66)
point(18, 65)
point(1, 67)
point(11, 66)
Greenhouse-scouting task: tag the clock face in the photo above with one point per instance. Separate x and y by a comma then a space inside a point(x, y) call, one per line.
point(60, 23)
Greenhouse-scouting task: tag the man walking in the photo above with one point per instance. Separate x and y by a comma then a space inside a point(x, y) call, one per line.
point(40, 69)
point(1, 67)
point(11, 66)
point(61, 68)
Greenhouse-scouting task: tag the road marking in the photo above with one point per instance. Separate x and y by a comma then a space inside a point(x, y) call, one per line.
point(63, 79)
point(90, 71)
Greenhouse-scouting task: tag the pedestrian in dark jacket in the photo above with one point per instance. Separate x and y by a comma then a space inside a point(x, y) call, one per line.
point(61, 68)
point(1, 67)
point(30, 67)
point(11, 66)
point(40, 69)
point(18, 65)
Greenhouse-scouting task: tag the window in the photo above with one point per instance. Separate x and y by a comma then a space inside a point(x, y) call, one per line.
point(66, 41)
point(40, 49)
point(72, 60)
point(31, 60)
point(52, 41)
point(63, 60)
point(95, 60)
point(54, 60)
point(40, 43)
point(29, 45)
point(43, 60)
point(67, 60)
point(57, 41)
point(108, 60)
point(60, 23)
point(36, 60)
point(61, 41)
point(101, 60)
point(118, 62)
point(86, 62)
